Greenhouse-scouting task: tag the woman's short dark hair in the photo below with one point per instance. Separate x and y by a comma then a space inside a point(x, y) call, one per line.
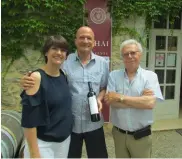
point(54, 41)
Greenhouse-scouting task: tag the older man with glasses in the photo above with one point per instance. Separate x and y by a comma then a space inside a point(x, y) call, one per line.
point(132, 93)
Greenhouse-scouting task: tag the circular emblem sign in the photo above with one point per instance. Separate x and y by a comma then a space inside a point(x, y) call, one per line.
point(98, 15)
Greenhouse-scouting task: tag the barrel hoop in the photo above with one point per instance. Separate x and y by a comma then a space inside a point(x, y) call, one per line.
point(5, 153)
point(12, 117)
point(11, 139)
point(22, 147)
point(12, 135)
point(12, 111)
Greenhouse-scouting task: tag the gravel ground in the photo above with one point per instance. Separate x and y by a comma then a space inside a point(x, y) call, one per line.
point(166, 144)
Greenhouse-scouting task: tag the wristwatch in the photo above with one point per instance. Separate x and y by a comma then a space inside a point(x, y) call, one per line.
point(121, 98)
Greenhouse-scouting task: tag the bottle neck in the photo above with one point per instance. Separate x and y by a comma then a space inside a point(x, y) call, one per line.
point(90, 86)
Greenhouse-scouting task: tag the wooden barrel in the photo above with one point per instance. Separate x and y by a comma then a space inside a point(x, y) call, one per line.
point(21, 150)
point(11, 133)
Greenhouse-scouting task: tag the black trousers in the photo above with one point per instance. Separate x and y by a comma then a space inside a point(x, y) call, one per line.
point(94, 141)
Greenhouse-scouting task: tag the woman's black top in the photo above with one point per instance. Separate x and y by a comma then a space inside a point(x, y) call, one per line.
point(49, 110)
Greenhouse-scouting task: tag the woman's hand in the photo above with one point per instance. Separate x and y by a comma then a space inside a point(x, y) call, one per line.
point(35, 155)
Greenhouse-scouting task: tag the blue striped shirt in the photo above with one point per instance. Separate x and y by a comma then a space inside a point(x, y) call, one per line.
point(132, 119)
point(97, 72)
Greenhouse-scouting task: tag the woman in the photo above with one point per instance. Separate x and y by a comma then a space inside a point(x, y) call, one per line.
point(46, 113)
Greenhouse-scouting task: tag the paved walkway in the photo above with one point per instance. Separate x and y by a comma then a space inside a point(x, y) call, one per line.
point(166, 144)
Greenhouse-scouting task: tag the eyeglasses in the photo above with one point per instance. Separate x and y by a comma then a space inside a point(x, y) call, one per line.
point(131, 53)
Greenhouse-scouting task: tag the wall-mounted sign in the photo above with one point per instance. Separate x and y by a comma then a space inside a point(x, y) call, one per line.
point(100, 21)
point(159, 60)
point(171, 60)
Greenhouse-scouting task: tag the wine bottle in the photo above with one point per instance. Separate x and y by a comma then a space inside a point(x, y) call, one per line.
point(94, 112)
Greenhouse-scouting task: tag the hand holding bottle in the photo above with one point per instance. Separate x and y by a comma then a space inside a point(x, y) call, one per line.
point(99, 102)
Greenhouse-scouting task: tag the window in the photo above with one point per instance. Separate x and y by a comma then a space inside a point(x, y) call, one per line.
point(164, 22)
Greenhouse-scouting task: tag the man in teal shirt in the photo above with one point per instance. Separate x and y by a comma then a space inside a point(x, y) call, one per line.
point(132, 94)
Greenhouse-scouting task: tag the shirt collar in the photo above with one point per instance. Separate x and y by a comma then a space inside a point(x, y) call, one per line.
point(93, 56)
point(137, 72)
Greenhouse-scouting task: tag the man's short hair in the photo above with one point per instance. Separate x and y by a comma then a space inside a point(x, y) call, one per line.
point(131, 41)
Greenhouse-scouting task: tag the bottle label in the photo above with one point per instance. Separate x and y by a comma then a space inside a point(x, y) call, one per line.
point(93, 105)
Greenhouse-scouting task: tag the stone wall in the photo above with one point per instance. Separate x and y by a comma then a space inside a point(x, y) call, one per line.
point(10, 85)
point(134, 23)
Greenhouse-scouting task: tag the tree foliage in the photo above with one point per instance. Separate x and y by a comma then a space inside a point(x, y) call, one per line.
point(151, 9)
point(26, 23)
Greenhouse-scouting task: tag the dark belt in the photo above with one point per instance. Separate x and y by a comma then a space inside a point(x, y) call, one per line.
point(131, 132)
